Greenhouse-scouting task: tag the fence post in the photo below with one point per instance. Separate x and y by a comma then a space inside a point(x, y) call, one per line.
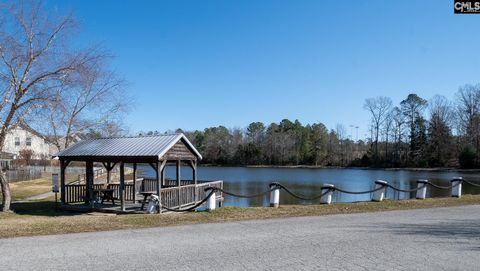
point(211, 204)
point(379, 195)
point(457, 187)
point(274, 195)
point(422, 192)
point(327, 192)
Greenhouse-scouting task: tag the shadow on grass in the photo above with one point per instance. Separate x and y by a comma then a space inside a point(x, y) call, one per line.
point(39, 208)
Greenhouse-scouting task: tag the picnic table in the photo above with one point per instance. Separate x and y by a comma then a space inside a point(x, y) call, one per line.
point(104, 194)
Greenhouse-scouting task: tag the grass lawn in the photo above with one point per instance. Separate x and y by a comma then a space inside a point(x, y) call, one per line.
point(25, 189)
point(41, 218)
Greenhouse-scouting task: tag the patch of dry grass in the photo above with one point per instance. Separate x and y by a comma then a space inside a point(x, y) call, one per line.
point(40, 218)
point(25, 189)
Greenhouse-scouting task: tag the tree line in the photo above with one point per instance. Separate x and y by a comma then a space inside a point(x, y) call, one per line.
point(420, 133)
point(415, 133)
point(284, 143)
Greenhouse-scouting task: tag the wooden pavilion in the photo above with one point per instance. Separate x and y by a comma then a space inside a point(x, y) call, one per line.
point(156, 151)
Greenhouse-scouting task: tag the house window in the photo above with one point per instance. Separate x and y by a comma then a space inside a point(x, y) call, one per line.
point(17, 141)
point(29, 141)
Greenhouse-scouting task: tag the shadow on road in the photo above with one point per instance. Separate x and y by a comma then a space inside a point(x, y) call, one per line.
point(453, 228)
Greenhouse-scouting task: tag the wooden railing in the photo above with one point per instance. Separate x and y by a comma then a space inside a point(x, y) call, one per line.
point(177, 197)
point(76, 192)
point(148, 185)
point(171, 182)
point(172, 197)
point(129, 191)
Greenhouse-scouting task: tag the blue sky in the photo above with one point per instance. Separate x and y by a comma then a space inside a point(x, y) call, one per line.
point(196, 64)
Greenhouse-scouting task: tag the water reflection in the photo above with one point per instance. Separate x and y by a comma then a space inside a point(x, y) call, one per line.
point(308, 182)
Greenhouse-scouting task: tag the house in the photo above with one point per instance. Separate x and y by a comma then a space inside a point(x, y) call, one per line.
point(75, 138)
point(23, 137)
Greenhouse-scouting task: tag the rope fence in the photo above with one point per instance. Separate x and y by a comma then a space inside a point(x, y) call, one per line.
point(326, 193)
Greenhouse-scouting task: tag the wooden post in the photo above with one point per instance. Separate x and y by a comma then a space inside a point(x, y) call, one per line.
point(108, 172)
point(122, 186)
point(163, 177)
point(178, 182)
point(194, 165)
point(62, 180)
point(134, 181)
point(162, 172)
point(157, 175)
point(194, 175)
point(89, 183)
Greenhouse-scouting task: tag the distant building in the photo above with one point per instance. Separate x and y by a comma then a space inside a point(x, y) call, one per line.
point(23, 137)
point(61, 141)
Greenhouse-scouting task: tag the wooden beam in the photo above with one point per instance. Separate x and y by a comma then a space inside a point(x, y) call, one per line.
point(163, 164)
point(108, 166)
point(67, 162)
point(154, 166)
point(122, 186)
point(192, 163)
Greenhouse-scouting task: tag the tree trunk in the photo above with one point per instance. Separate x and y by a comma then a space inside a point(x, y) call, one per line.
point(6, 197)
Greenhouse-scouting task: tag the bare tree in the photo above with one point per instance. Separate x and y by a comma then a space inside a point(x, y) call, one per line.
point(35, 61)
point(387, 127)
point(441, 107)
point(440, 147)
point(378, 108)
point(398, 132)
point(92, 101)
point(468, 113)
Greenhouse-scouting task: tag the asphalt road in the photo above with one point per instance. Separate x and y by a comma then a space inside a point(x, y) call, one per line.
point(428, 239)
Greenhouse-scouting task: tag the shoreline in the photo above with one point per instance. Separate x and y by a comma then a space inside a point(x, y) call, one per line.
point(436, 169)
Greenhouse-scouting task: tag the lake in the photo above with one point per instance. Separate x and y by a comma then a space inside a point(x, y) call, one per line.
point(308, 182)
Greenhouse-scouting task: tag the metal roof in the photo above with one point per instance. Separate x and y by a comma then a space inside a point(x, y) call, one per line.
point(147, 146)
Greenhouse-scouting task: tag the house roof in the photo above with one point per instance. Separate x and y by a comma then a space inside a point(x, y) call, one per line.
point(26, 127)
point(146, 146)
